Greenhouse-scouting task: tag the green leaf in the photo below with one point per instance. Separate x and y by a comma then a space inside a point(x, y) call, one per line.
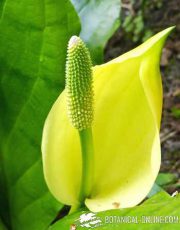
point(165, 178)
point(33, 41)
point(175, 112)
point(161, 180)
point(159, 206)
point(2, 227)
point(99, 19)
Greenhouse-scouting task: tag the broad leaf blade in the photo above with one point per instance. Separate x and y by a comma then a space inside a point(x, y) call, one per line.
point(99, 21)
point(2, 227)
point(158, 206)
point(33, 40)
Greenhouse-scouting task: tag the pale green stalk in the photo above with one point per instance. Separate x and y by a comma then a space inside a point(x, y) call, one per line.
point(87, 150)
point(80, 109)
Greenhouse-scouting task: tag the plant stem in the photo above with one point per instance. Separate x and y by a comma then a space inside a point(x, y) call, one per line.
point(87, 151)
point(74, 208)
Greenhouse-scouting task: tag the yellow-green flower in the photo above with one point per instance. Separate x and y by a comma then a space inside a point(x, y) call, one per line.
point(127, 114)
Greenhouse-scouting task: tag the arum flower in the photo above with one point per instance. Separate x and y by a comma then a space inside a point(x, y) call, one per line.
point(127, 108)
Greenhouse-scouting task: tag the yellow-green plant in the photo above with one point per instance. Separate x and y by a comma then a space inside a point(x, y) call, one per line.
point(116, 164)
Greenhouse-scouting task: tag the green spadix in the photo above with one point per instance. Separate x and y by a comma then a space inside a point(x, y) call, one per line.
point(79, 84)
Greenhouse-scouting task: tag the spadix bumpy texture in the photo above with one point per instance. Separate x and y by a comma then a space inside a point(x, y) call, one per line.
point(127, 107)
point(79, 84)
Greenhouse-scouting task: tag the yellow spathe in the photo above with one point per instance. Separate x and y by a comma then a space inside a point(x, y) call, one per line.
point(127, 113)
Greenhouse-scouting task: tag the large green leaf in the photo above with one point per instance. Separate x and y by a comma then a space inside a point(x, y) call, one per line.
point(99, 19)
point(159, 207)
point(33, 40)
point(2, 227)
